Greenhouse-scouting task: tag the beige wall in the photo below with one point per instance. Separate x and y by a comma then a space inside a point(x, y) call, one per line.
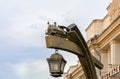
point(114, 9)
point(106, 22)
point(104, 60)
point(94, 28)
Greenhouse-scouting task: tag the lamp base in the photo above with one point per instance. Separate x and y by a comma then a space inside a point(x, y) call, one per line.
point(56, 75)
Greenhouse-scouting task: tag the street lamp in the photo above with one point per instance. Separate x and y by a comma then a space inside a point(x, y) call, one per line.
point(56, 64)
point(70, 39)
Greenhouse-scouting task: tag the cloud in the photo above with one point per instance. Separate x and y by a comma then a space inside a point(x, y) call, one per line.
point(36, 68)
point(30, 69)
point(23, 23)
point(25, 31)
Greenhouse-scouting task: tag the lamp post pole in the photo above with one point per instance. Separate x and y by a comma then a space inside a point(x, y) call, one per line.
point(70, 39)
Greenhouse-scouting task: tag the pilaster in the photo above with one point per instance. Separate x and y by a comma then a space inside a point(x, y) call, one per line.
point(115, 52)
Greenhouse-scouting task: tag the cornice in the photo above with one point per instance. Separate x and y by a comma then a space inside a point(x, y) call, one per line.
point(109, 32)
point(92, 23)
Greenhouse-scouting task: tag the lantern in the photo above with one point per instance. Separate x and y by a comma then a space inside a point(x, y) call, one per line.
point(56, 64)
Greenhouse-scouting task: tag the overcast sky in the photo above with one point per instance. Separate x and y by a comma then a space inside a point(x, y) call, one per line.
point(22, 31)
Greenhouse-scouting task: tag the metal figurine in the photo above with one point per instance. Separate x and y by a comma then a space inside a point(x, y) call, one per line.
point(56, 30)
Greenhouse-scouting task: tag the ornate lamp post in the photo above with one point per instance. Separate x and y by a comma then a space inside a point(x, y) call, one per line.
point(70, 39)
point(56, 64)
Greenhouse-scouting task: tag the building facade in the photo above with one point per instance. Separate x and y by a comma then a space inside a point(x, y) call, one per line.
point(104, 34)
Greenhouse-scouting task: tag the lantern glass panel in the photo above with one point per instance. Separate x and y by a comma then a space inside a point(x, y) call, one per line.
point(54, 64)
point(63, 65)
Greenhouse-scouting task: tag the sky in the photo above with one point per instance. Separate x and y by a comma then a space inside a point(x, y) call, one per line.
point(23, 24)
